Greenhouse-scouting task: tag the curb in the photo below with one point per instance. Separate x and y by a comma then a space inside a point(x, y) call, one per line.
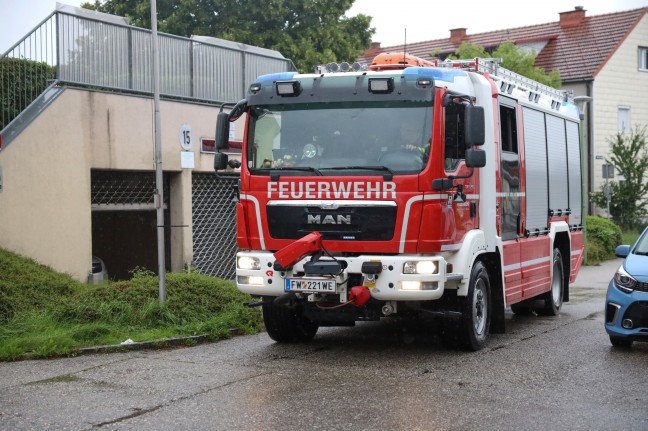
point(152, 344)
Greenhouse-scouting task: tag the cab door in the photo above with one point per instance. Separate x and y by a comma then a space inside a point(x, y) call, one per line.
point(509, 198)
point(510, 192)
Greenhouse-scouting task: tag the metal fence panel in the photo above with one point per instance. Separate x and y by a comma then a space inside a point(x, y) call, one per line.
point(256, 65)
point(175, 66)
point(92, 52)
point(141, 48)
point(214, 225)
point(26, 69)
point(217, 73)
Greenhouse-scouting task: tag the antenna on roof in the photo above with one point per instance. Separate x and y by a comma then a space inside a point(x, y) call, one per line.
point(405, 46)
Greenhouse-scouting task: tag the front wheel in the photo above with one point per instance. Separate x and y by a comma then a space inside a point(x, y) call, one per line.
point(475, 320)
point(620, 342)
point(553, 298)
point(287, 325)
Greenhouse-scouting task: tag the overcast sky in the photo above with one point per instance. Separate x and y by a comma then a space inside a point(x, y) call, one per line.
point(428, 20)
point(423, 19)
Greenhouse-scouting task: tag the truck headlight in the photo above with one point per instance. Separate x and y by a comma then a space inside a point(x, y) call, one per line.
point(420, 267)
point(247, 262)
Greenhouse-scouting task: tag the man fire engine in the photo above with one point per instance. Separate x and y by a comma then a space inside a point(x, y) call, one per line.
point(341, 218)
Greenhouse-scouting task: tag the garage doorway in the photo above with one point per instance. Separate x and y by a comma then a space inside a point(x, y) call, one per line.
point(124, 223)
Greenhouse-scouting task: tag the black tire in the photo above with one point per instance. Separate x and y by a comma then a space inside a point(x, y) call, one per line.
point(554, 298)
point(620, 342)
point(287, 325)
point(474, 323)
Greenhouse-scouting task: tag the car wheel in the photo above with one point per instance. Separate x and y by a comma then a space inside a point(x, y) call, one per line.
point(553, 298)
point(287, 325)
point(620, 342)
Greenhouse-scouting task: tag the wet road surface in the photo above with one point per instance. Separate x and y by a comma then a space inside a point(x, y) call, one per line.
point(544, 373)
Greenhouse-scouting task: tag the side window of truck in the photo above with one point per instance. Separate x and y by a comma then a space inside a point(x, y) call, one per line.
point(508, 129)
point(455, 147)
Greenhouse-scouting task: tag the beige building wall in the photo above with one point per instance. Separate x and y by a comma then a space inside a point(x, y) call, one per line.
point(45, 210)
point(619, 83)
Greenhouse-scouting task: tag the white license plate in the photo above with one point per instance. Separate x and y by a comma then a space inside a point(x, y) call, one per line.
point(310, 285)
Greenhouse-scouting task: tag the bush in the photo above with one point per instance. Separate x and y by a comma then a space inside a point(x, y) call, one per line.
point(602, 238)
point(45, 314)
point(22, 81)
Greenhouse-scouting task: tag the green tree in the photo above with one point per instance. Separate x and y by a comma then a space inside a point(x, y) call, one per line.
point(310, 32)
point(513, 59)
point(469, 50)
point(629, 204)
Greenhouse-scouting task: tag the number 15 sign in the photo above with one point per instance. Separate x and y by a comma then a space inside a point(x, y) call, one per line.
point(186, 137)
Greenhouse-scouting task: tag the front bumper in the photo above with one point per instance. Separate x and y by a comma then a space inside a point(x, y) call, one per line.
point(623, 307)
point(386, 286)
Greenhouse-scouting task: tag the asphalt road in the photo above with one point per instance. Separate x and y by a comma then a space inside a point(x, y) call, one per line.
point(545, 373)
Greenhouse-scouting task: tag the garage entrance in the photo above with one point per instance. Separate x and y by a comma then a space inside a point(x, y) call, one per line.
point(124, 233)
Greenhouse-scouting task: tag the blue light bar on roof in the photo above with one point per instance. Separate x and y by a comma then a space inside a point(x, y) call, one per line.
point(283, 76)
point(438, 73)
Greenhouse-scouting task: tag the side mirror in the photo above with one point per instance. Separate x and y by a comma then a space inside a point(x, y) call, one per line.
point(622, 251)
point(475, 158)
point(475, 126)
point(220, 161)
point(222, 131)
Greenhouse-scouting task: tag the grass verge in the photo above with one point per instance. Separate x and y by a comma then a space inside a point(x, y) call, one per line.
point(45, 314)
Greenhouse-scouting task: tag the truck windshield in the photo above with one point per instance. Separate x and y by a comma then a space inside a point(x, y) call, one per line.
point(339, 138)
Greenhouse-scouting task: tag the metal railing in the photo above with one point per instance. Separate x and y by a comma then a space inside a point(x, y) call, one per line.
point(26, 70)
point(82, 47)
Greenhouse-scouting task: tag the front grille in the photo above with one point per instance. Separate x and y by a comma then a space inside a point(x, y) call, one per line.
point(638, 313)
point(642, 287)
point(363, 223)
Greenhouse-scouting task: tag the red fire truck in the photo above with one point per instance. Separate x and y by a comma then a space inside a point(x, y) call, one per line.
point(407, 189)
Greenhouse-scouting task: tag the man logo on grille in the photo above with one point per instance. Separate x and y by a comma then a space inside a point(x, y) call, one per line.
point(329, 219)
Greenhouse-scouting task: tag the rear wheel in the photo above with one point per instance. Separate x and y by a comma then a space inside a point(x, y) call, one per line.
point(287, 325)
point(471, 331)
point(553, 298)
point(620, 342)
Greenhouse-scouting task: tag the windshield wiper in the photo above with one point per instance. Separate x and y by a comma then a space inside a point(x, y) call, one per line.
point(274, 176)
point(387, 177)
